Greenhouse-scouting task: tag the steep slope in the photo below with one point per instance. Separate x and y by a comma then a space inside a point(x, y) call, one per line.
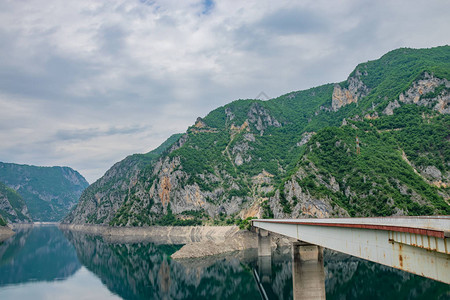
point(244, 159)
point(101, 200)
point(401, 168)
point(49, 192)
point(12, 207)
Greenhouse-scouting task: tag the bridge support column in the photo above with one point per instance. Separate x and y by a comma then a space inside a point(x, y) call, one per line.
point(308, 274)
point(264, 248)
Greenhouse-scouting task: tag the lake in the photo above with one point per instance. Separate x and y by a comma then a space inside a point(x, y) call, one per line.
point(46, 263)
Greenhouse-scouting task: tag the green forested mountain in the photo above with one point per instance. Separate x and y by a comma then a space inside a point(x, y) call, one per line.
point(48, 192)
point(375, 144)
point(12, 207)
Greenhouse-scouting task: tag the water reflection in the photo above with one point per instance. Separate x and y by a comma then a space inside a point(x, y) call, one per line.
point(144, 270)
point(36, 254)
point(348, 277)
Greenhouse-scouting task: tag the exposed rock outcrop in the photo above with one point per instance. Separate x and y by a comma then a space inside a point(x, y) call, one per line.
point(157, 234)
point(343, 96)
point(261, 118)
point(305, 205)
point(237, 241)
point(5, 233)
point(12, 206)
point(423, 92)
point(306, 136)
point(389, 110)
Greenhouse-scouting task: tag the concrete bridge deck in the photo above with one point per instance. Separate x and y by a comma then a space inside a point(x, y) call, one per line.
point(419, 245)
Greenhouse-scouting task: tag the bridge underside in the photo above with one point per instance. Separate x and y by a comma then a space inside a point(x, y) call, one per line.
point(420, 251)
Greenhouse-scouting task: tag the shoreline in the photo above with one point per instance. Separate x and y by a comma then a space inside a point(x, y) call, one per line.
point(158, 234)
point(198, 241)
point(5, 233)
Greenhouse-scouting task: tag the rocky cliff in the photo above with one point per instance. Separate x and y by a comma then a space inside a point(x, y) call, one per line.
point(12, 207)
point(101, 200)
point(304, 154)
point(48, 192)
point(355, 90)
point(429, 91)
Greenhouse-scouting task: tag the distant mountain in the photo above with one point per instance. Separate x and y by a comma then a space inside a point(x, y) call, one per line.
point(48, 192)
point(12, 207)
point(376, 144)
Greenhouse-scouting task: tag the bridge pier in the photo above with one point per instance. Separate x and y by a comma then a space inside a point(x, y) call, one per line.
point(264, 248)
point(308, 274)
point(264, 260)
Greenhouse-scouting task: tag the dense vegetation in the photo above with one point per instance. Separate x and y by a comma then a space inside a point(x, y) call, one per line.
point(16, 203)
point(49, 192)
point(379, 180)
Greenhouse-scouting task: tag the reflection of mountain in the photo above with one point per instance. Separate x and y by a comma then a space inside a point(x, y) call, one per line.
point(10, 247)
point(145, 271)
point(351, 278)
point(37, 254)
point(347, 277)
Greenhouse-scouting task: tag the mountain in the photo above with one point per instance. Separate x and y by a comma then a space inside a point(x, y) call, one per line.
point(12, 207)
point(376, 144)
point(48, 192)
point(107, 194)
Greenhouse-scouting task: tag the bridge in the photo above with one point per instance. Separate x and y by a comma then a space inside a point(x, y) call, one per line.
point(419, 245)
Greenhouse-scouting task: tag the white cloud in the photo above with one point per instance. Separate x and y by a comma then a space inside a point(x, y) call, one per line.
point(85, 83)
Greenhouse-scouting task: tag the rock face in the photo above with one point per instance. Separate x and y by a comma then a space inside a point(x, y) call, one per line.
point(301, 202)
point(49, 192)
point(12, 207)
point(429, 91)
point(5, 233)
point(305, 138)
point(343, 96)
point(236, 241)
point(261, 117)
point(157, 234)
point(121, 184)
point(389, 110)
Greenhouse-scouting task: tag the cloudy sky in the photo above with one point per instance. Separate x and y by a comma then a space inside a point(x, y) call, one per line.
point(84, 83)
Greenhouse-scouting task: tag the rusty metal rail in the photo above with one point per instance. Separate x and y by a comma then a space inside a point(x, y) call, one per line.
point(419, 245)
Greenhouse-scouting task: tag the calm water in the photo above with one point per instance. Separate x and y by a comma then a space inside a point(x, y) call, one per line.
point(45, 263)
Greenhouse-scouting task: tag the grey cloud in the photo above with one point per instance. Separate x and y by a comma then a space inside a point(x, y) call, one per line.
point(58, 73)
point(112, 39)
point(293, 21)
point(89, 133)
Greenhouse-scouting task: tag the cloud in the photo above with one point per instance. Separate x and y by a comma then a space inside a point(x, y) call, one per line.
point(287, 21)
point(90, 133)
point(86, 83)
